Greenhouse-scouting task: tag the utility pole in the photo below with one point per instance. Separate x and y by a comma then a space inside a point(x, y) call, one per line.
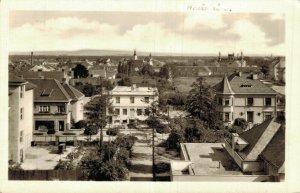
point(153, 158)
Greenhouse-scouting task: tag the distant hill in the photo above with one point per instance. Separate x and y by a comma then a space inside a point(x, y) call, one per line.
point(94, 52)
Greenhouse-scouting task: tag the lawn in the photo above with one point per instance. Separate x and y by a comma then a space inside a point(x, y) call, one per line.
point(183, 84)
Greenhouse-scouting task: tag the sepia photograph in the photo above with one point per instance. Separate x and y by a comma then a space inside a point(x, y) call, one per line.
point(157, 96)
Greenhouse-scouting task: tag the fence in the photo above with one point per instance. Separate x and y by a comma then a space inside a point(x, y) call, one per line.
point(62, 175)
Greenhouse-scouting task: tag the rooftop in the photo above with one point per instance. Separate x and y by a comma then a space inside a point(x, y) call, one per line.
point(210, 159)
point(127, 90)
point(243, 84)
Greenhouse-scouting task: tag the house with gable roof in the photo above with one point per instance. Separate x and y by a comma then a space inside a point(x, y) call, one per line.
point(55, 105)
point(245, 96)
point(260, 150)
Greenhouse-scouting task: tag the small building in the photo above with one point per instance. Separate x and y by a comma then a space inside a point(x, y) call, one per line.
point(244, 96)
point(203, 162)
point(20, 117)
point(55, 105)
point(260, 150)
point(130, 103)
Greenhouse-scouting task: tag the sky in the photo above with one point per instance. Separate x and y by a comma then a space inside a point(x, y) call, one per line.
point(170, 32)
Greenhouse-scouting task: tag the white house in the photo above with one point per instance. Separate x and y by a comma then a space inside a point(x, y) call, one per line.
point(20, 117)
point(131, 103)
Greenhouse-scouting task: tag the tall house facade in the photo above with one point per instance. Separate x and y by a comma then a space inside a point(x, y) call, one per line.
point(131, 103)
point(20, 118)
point(244, 96)
point(55, 105)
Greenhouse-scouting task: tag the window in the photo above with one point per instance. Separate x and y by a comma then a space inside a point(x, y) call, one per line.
point(21, 136)
point(250, 101)
point(124, 111)
point(61, 109)
point(131, 99)
point(21, 113)
point(21, 91)
point(268, 115)
point(124, 121)
point(227, 101)
point(268, 101)
point(227, 116)
point(250, 117)
point(117, 99)
point(147, 111)
point(139, 112)
point(146, 99)
point(220, 101)
point(117, 121)
point(221, 116)
point(117, 111)
point(44, 109)
point(131, 112)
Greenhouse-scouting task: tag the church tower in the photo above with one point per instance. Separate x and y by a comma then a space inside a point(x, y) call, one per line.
point(150, 59)
point(134, 55)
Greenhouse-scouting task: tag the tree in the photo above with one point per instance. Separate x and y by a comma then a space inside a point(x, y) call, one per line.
point(147, 69)
point(80, 71)
point(265, 69)
point(164, 72)
point(96, 113)
point(126, 81)
point(201, 104)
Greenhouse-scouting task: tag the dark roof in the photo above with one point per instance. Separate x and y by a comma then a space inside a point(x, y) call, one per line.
point(244, 85)
point(30, 86)
point(58, 75)
point(225, 87)
point(274, 153)
point(15, 79)
point(49, 90)
point(258, 137)
point(73, 92)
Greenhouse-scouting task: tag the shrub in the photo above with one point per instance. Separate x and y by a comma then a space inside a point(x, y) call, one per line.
point(131, 125)
point(91, 130)
point(162, 129)
point(80, 124)
point(161, 167)
point(112, 131)
point(64, 165)
point(240, 122)
point(125, 141)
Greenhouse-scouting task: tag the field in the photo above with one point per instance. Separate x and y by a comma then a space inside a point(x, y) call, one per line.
point(184, 84)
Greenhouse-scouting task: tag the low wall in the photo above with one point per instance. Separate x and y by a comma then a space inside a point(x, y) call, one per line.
point(220, 178)
point(64, 175)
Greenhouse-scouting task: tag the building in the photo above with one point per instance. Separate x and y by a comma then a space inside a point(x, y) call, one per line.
point(20, 117)
point(257, 155)
point(260, 150)
point(55, 105)
point(62, 76)
point(131, 103)
point(244, 96)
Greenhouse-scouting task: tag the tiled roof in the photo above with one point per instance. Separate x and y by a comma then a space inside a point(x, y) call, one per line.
point(30, 86)
point(49, 90)
point(274, 153)
point(245, 85)
point(224, 86)
point(73, 92)
point(58, 75)
point(258, 138)
point(15, 79)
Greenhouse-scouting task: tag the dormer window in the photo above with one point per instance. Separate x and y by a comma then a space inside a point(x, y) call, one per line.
point(46, 92)
point(246, 85)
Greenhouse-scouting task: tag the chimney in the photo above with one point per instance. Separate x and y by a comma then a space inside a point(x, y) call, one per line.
point(240, 74)
point(254, 76)
point(31, 58)
point(234, 139)
point(133, 87)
